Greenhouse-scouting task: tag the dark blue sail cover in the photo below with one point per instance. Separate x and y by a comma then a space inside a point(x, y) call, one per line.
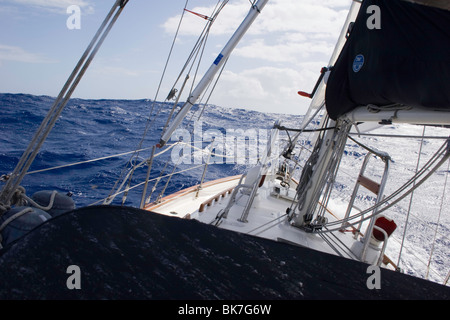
point(397, 52)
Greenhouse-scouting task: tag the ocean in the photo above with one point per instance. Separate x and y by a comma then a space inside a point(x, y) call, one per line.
point(93, 129)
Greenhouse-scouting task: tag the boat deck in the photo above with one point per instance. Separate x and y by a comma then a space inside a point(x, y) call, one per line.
point(267, 217)
point(184, 203)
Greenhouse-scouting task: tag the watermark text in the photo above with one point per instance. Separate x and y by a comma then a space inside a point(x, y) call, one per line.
point(245, 146)
point(73, 22)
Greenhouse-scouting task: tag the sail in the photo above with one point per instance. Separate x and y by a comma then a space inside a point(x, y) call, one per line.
point(397, 53)
point(319, 97)
point(443, 4)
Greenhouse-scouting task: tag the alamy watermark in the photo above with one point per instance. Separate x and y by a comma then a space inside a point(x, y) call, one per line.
point(74, 280)
point(221, 146)
point(73, 22)
point(374, 20)
point(374, 280)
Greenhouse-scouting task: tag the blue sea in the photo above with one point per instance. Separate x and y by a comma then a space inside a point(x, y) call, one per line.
point(91, 129)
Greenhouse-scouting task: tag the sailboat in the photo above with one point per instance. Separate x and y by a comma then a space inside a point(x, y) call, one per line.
point(281, 224)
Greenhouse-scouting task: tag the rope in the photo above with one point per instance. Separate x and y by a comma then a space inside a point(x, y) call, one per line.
point(200, 41)
point(16, 199)
point(50, 203)
point(10, 219)
point(20, 199)
point(13, 217)
point(197, 52)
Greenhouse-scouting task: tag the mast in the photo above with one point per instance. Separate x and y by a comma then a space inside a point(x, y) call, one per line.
point(213, 69)
point(323, 163)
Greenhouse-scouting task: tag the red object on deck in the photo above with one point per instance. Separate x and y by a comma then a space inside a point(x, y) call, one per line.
point(386, 224)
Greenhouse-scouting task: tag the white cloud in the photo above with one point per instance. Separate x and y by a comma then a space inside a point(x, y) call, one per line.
point(299, 16)
point(13, 53)
point(282, 53)
point(267, 89)
point(59, 6)
point(115, 71)
point(288, 51)
point(307, 16)
point(228, 20)
point(286, 31)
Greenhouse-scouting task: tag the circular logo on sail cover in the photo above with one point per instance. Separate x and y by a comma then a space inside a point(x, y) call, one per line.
point(358, 63)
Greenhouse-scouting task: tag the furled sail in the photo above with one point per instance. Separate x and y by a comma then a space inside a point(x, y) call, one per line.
point(318, 99)
point(443, 4)
point(398, 52)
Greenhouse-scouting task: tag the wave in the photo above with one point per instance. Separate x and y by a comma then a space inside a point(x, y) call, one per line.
point(89, 129)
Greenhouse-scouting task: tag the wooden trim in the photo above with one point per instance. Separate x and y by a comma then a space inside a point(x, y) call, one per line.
point(181, 193)
point(369, 184)
point(215, 198)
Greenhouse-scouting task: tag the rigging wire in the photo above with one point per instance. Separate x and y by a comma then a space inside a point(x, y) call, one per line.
point(142, 183)
point(111, 197)
point(438, 220)
point(398, 136)
point(413, 189)
point(60, 102)
point(152, 117)
point(196, 47)
point(209, 96)
point(411, 199)
point(149, 119)
point(84, 162)
point(170, 53)
point(197, 53)
point(204, 39)
point(444, 152)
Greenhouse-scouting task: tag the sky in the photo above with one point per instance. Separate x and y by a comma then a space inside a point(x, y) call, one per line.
point(281, 54)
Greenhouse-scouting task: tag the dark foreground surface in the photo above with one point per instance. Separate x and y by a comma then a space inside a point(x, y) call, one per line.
point(125, 253)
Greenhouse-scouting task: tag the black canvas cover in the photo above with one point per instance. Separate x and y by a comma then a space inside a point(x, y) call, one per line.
point(125, 253)
point(397, 52)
